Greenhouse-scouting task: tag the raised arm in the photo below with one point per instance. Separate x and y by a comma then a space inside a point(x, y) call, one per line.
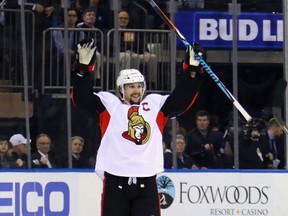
point(187, 87)
point(82, 94)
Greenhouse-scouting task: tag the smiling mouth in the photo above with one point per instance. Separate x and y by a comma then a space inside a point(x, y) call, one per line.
point(135, 96)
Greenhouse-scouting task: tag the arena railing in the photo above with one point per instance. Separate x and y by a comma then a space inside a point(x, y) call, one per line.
point(156, 42)
point(11, 62)
point(53, 57)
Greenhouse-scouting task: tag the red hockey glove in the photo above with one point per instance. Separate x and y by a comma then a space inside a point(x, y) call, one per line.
point(85, 55)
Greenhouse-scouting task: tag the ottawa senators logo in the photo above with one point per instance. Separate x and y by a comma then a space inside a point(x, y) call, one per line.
point(138, 129)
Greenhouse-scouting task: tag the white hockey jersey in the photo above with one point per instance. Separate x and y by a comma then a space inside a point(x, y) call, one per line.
point(131, 144)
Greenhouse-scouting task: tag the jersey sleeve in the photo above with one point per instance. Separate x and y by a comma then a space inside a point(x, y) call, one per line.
point(183, 96)
point(82, 93)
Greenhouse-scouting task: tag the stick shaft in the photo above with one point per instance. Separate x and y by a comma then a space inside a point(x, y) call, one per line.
point(202, 62)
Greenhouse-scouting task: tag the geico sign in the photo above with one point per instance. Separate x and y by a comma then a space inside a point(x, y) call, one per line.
point(34, 198)
point(248, 29)
point(226, 194)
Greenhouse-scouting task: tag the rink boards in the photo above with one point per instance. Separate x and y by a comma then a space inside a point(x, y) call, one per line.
point(185, 193)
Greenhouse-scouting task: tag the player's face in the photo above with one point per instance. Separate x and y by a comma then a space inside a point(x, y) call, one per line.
point(133, 92)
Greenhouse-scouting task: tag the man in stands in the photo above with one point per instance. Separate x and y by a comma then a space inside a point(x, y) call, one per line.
point(134, 51)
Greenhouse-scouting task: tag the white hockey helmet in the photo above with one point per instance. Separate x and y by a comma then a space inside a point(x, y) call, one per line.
point(129, 76)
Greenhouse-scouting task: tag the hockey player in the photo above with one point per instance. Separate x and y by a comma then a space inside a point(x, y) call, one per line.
point(130, 154)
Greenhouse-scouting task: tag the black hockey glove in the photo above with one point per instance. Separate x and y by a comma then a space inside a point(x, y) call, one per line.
point(190, 64)
point(85, 55)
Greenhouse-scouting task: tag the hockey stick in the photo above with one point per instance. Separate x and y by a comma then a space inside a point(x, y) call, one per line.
point(201, 61)
point(278, 99)
point(2, 4)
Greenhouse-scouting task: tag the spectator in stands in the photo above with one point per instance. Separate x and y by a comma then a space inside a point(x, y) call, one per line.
point(202, 143)
point(59, 35)
point(89, 21)
point(19, 143)
point(125, 56)
point(41, 158)
point(77, 144)
point(44, 10)
point(10, 149)
point(6, 160)
point(258, 145)
point(184, 161)
point(103, 14)
point(254, 154)
point(58, 57)
point(278, 149)
point(134, 50)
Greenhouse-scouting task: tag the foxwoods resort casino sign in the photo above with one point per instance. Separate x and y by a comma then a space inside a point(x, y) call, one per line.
point(193, 194)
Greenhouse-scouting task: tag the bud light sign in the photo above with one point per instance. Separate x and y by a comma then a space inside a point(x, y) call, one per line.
point(214, 29)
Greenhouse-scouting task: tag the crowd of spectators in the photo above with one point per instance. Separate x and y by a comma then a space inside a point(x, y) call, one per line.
point(14, 153)
point(207, 146)
point(261, 144)
point(49, 13)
